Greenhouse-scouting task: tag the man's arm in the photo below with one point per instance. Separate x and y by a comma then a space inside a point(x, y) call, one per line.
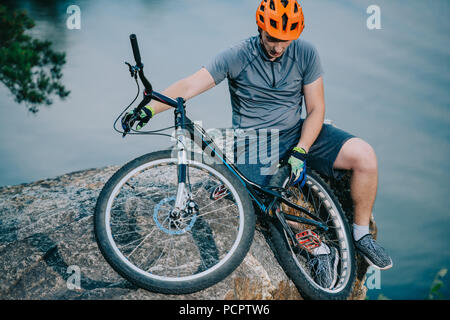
point(186, 88)
point(315, 109)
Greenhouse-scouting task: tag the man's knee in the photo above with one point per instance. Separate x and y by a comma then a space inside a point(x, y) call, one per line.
point(356, 154)
point(365, 157)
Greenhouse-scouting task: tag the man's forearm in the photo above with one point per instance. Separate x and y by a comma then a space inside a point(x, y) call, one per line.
point(186, 88)
point(311, 129)
point(178, 89)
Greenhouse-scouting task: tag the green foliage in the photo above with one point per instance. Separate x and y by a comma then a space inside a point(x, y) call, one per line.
point(436, 286)
point(382, 297)
point(29, 68)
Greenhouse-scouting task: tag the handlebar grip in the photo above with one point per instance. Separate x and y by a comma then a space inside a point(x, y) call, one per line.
point(136, 53)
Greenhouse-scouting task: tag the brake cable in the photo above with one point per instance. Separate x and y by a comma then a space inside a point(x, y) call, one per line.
point(135, 132)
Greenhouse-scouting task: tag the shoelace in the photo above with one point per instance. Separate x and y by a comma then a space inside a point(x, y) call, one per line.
point(372, 244)
point(376, 249)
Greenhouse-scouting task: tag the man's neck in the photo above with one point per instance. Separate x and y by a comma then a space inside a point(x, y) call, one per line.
point(266, 53)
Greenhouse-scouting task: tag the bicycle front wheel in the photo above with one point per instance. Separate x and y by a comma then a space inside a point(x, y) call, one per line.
point(144, 241)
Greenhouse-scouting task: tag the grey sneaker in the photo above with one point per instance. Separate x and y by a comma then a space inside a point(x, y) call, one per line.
point(324, 268)
point(374, 254)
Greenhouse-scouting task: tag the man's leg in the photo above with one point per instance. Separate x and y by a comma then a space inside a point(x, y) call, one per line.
point(358, 156)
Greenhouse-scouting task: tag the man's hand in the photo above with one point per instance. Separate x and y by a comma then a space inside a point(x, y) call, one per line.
point(297, 160)
point(143, 116)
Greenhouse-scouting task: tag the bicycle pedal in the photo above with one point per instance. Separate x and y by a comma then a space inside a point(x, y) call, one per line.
point(308, 239)
point(219, 192)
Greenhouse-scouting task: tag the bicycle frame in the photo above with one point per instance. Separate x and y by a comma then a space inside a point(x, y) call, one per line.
point(264, 197)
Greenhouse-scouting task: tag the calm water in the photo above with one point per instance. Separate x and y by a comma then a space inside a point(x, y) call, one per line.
point(388, 86)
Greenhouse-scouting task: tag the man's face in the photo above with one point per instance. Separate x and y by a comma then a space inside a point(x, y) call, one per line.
point(274, 47)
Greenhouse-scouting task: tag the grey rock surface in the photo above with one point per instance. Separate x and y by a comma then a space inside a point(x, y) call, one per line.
point(46, 232)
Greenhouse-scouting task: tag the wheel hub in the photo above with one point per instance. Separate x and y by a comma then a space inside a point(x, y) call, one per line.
point(175, 221)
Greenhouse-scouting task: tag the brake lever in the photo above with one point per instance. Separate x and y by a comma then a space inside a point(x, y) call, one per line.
point(128, 123)
point(126, 126)
point(125, 133)
point(133, 70)
point(126, 129)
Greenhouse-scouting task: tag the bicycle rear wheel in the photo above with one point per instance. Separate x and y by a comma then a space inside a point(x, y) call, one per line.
point(318, 198)
point(144, 241)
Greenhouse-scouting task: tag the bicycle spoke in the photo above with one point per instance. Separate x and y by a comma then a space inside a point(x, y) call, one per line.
point(200, 188)
point(224, 218)
point(212, 202)
point(140, 244)
point(206, 213)
point(130, 243)
point(222, 224)
point(160, 256)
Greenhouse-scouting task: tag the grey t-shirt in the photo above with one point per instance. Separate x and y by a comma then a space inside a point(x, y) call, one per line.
point(266, 94)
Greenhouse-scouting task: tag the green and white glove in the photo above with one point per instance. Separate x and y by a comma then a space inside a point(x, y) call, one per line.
point(143, 116)
point(297, 160)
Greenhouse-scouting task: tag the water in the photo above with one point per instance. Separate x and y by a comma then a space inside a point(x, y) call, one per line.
point(388, 86)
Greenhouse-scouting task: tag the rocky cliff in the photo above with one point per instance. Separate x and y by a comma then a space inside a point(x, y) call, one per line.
point(46, 239)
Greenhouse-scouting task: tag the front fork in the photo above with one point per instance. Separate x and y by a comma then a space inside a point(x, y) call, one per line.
point(183, 192)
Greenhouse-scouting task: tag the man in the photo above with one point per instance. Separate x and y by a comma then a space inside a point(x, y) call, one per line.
point(269, 75)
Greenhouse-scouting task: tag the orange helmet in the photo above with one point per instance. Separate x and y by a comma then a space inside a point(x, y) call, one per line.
point(281, 19)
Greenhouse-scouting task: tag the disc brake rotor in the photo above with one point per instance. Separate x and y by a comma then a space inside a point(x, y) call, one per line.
point(175, 222)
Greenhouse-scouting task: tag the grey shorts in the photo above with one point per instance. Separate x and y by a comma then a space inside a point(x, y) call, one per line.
point(321, 156)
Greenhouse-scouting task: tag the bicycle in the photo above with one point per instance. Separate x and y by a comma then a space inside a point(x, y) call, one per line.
point(159, 225)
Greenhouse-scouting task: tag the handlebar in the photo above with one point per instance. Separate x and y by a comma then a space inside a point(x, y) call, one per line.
point(149, 94)
point(140, 67)
point(136, 53)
